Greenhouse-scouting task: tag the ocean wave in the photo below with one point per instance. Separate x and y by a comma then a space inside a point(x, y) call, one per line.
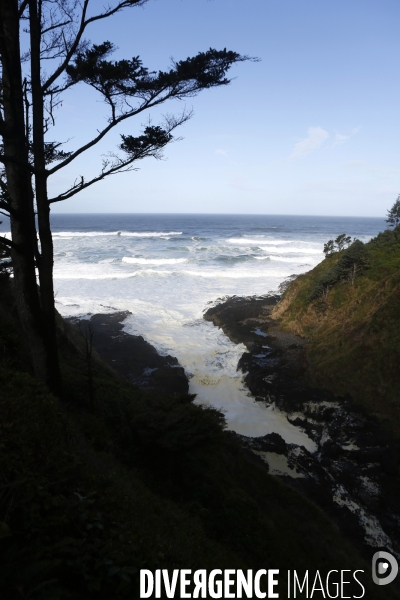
point(257, 241)
point(140, 234)
point(153, 261)
point(277, 246)
point(240, 258)
point(91, 273)
point(235, 274)
point(286, 259)
point(291, 250)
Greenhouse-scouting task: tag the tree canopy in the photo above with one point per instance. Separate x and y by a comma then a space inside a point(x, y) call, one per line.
point(29, 96)
point(393, 215)
point(340, 243)
point(354, 261)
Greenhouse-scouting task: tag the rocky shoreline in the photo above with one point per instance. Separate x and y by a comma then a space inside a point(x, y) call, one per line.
point(133, 359)
point(353, 474)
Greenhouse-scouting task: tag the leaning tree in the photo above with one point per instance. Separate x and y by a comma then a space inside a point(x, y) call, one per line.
point(55, 35)
point(393, 215)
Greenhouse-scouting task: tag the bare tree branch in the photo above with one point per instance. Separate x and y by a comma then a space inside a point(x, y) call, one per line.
point(149, 144)
point(5, 206)
point(22, 7)
point(5, 242)
point(121, 81)
point(69, 54)
point(77, 188)
point(101, 135)
point(56, 26)
point(82, 26)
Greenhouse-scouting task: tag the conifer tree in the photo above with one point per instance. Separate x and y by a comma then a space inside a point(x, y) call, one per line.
point(394, 213)
point(29, 94)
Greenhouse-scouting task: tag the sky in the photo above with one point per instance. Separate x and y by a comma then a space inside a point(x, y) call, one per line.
point(312, 128)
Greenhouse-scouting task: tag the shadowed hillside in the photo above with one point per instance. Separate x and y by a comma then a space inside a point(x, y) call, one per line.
point(89, 495)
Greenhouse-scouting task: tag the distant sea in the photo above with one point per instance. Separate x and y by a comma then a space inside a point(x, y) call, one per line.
point(167, 269)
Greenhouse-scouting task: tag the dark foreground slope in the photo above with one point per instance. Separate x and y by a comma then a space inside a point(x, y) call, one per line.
point(353, 333)
point(90, 495)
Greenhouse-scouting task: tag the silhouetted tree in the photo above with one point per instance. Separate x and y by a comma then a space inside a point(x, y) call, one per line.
point(394, 213)
point(341, 242)
point(29, 94)
point(329, 248)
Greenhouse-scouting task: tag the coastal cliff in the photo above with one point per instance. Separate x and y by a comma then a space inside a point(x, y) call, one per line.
point(353, 331)
point(325, 355)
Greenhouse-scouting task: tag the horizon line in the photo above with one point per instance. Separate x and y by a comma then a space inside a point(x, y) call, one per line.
point(224, 214)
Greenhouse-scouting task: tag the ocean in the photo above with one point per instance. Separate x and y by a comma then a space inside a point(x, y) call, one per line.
point(168, 269)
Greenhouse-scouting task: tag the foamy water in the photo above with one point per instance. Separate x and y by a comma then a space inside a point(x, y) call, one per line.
point(167, 269)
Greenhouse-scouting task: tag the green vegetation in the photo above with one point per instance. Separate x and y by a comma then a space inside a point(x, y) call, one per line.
point(354, 330)
point(90, 496)
point(393, 216)
point(352, 262)
point(342, 241)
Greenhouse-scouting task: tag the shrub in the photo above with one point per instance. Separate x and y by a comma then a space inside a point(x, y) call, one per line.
point(340, 243)
point(353, 261)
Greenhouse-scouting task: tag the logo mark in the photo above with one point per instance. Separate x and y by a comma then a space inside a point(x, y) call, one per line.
point(384, 564)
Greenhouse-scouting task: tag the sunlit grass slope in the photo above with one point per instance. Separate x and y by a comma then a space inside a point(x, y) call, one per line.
point(354, 333)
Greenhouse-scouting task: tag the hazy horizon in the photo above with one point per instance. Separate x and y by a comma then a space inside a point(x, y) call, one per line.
point(222, 214)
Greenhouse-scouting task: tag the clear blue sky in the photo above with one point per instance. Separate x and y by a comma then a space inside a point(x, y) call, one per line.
point(313, 128)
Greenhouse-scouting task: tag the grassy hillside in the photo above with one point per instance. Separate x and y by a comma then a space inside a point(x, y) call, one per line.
point(88, 497)
point(354, 332)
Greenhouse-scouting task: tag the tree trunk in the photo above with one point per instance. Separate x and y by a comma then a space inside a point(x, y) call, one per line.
point(46, 259)
point(19, 185)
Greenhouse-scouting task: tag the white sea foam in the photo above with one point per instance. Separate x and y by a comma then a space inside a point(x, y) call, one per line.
point(235, 274)
point(279, 246)
point(139, 234)
point(167, 301)
point(141, 271)
point(92, 272)
point(93, 276)
point(243, 414)
point(291, 250)
point(278, 464)
point(258, 241)
point(153, 261)
point(291, 259)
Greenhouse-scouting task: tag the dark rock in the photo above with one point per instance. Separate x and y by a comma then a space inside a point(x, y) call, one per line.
point(273, 442)
point(331, 450)
point(132, 357)
point(390, 460)
point(357, 458)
